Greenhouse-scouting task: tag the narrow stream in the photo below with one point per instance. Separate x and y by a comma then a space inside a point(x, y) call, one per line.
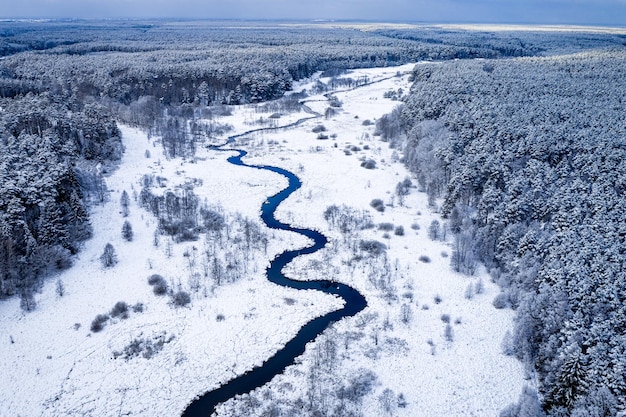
point(354, 302)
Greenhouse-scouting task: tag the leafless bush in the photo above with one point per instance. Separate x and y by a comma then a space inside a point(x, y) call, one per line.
point(98, 323)
point(120, 309)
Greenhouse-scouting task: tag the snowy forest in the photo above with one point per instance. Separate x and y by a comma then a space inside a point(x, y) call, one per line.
point(518, 139)
point(528, 156)
point(62, 84)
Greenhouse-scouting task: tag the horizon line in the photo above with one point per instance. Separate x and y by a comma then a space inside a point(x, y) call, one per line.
point(321, 21)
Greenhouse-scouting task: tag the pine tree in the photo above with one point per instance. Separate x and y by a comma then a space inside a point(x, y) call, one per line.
point(52, 230)
point(127, 231)
point(570, 378)
point(125, 203)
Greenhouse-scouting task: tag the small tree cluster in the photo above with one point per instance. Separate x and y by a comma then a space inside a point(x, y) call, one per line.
point(159, 285)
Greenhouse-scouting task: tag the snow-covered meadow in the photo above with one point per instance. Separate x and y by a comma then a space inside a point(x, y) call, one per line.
point(54, 365)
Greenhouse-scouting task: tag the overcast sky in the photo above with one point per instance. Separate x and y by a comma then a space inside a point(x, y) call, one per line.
point(608, 12)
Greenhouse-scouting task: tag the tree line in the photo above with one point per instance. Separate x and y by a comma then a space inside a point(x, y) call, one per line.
point(49, 153)
point(527, 156)
point(212, 63)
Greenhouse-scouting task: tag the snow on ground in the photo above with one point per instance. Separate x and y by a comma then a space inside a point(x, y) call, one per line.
point(468, 376)
point(58, 367)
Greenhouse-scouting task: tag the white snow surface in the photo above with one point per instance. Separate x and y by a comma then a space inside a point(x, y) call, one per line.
point(53, 365)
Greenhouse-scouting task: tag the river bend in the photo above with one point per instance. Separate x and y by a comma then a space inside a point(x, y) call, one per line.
point(205, 404)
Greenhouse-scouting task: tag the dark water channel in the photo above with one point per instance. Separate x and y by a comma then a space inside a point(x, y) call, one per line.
point(354, 302)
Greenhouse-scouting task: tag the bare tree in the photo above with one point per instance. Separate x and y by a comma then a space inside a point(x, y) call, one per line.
point(27, 301)
point(108, 257)
point(406, 313)
point(434, 230)
point(60, 288)
point(387, 401)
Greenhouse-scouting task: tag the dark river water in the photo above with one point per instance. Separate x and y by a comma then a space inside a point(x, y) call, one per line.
point(205, 404)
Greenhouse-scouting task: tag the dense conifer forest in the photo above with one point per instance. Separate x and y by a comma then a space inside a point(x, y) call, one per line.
point(63, 84)
point(52, 156)
point(528, 156)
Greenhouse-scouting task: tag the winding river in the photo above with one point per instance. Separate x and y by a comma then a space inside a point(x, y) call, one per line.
point(354, 302)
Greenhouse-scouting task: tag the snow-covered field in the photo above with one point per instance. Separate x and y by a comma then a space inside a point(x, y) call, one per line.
point(53, 365)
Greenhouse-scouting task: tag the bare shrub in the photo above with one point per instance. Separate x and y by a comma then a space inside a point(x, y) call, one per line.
point(159, 285)
point(155, 278)
point(120, 309)
point(181, 299)
point(378, 205)
point(369, 164)
point(98, 323)
point(372, 247)
point(146, 347)
point(386, 227)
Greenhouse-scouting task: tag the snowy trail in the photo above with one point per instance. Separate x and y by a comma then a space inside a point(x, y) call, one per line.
point(354, 301)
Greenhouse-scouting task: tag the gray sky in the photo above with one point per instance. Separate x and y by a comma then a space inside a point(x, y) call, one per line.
point(608, 12)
